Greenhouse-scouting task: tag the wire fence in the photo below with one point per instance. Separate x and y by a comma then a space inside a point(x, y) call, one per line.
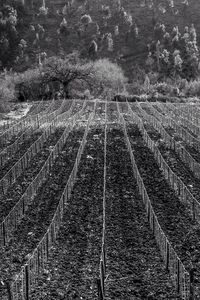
point(180, 276)
point(10, 222)
point(10, 177)
point(192, 113)
point(16, 128)
point(181, 190)
point(36, 108)
point(46, 110)
point(39, 119)
point(6, 124)
point(183, 133)
point(173, 144)
point(22, 125)
point(102, 265)
point(186, 120)
point(10, 150)
point(26, 280)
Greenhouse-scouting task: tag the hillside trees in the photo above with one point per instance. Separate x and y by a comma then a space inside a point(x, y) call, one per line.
point(174, 53)
point(162, 7)
point(11, 19)
point(70, 76)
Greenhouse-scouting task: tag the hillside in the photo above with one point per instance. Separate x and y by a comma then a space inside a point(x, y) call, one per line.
point(55, 26)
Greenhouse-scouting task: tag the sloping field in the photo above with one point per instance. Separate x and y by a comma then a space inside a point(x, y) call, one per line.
point(102, 201)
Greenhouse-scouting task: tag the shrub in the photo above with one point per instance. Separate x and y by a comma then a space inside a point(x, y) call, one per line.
point(80, 94)
point(7, 92)
point(6, 95)
point(134, 88)
point(164, 88)
point(28, 85)
point(120, 98)
point(192, 88)
point(73, 76)
point(108, 78)
point(86, 19)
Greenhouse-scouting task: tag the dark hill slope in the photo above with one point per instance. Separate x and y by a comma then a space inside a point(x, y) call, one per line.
point(53, 38)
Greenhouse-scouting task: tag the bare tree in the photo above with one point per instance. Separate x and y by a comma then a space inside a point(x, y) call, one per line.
point(66, 71)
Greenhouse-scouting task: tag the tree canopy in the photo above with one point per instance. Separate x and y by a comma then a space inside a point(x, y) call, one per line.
point(101, 78)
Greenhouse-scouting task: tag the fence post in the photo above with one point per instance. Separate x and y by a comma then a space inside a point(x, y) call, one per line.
point(4, 233)
point(167, 257)
point(178, 276)
point(102, 278)
point(47, 246)
point(104, 259)
point(193, 209)
point(192, 284)
point(9, 290)
point(100, 294)
point(27, 281)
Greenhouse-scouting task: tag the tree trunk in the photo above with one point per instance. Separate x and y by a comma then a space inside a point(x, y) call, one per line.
point(66, 89)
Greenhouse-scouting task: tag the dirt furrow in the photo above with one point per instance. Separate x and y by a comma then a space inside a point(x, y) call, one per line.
point(41, 211)
point(134, 265)
point(15, 192)
point(24, 145)
point(182, 231)
point(74, 262)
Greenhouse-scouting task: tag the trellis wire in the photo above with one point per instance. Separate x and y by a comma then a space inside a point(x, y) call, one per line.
point(170, 115)
point(41, 110)
point(50, 117)
point(11, 176)
point(183, 133)
point(26, 280)
point(88, 109)
point(102, 266)
point(38, 107)
point(10, 222)
point(24, 123)
point(181, 190)
point(10, 150)
point(7, 124)
point(179, 274)
point(48, 109)
point(34, 110)
point(98, 121)
point(193, 112)
point(188, 121)
point(187, 112)
point(39, 119)
point(184, 119)
point(57, 105)
point(174, 145)
point(16, 128)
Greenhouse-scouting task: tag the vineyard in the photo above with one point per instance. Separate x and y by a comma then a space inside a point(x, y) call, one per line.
point(100, 200)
